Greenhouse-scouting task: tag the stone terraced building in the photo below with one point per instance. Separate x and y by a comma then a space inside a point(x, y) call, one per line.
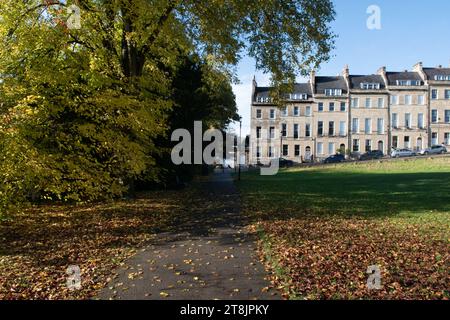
point(352, 114)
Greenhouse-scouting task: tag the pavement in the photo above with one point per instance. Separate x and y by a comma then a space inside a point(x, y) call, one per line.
point(210, 257)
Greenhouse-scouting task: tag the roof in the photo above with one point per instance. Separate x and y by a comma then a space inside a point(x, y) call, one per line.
point(405, 75)
point(262, 92)
point(302, 88)
point(431, 72)
point(323, 83)
point(356, 80)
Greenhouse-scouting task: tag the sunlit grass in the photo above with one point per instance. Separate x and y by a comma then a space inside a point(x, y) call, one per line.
point(320, 228)
point(415, 191)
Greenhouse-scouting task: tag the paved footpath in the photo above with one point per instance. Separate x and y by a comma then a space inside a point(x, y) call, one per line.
point(213, 258)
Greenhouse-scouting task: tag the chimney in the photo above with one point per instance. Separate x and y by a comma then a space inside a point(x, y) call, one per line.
point(345, 71)
point(383, 74)
point(312, 81)
point(418, 67)
point(346, 75)
point(254, 86)
point(382, 71)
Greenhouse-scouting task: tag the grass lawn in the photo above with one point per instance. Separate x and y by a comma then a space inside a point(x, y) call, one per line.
point(321, 228)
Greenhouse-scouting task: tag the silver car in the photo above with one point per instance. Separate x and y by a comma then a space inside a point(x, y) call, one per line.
point(397, 153)
point(438, 149)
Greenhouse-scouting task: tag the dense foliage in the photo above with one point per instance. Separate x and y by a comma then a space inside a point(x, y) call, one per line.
point(85, 112)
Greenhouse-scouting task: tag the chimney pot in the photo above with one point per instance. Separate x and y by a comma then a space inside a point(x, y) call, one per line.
point(382, 70)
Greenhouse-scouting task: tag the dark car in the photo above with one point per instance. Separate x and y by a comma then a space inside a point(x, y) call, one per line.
point(285, 163)
point(335, 159)
point(371, 155)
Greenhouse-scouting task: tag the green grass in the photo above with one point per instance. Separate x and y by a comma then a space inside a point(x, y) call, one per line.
point(320, 228)
point(412, 191)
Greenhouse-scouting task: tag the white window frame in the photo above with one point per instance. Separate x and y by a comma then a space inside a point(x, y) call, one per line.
point(274, 111)
point(308, 111)
point(342, 128)
point(370, 86)
point(421, 99)
point(437, 116)
point(320, 148)
point(287, 150)
point(258, 131)
point(434, 141)
point(408, 119)
point(380, 125)
point(285, 131)
point(306, 129)
point(407, 144)
point(368, 125)
point(447, 94)
point(272, 133)
point(447, 138)
point(394, 120)
point(420, 121)
point(331, 148)
point(408, 83)
point(433, 96)
point(441, 77)
point(357, 144)
point(296, 126)
point(299, 150)
point(408, 99)
point(355, 103)
point(447, 116)
point(394, 100)
point(355, 128)
point(368, 144)
point(333, 92)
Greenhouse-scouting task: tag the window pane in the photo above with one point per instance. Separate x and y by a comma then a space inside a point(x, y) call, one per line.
point(320, 148)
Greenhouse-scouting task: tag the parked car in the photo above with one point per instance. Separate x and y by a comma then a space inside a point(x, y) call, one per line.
point(371, 155)
point(285, 163)
point(335, 159)
point(397, 153)
point(438, 149)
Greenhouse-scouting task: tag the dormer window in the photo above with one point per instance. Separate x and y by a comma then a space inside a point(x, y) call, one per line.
point(299, 96)
point(408, 82)
point(442, 78)
point(333, 92)
point(370, 86)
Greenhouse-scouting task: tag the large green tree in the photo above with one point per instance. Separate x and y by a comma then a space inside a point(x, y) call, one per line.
point(82, 109)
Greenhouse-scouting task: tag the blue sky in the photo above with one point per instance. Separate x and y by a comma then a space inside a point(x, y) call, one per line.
point(411, 31)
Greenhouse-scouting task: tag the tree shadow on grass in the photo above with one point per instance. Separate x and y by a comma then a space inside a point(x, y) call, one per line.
point(60, 235)
point(347, 194)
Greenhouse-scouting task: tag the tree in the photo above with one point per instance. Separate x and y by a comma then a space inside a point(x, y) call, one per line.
point(83, 109)
point(200, 93)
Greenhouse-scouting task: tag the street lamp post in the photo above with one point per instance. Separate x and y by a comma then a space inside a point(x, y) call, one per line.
point(239, 147)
